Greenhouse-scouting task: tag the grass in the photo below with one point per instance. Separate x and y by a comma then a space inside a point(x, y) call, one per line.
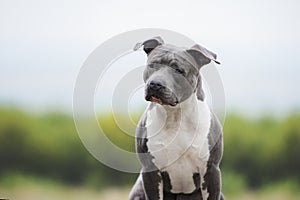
point(18, 187)
point(24, 187)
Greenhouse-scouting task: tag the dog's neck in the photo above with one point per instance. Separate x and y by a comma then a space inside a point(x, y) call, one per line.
point(187, 106)
point(191, 111)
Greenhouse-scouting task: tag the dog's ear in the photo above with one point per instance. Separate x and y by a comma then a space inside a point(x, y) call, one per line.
point(202, 55)
point(150, 44)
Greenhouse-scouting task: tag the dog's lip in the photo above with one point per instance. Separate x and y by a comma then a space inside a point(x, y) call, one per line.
point(174, 103)
point(159, 101)
point(155, 100)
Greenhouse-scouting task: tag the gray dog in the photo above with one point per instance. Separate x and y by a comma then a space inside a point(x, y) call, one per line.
point(178, 139)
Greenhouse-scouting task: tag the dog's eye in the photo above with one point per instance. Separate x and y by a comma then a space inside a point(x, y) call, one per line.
point(179, 71)
point(152, 66)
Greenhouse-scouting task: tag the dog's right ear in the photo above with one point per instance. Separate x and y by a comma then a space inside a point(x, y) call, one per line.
point(150, 44)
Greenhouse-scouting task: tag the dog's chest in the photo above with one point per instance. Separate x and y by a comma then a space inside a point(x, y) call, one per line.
point(180, 150)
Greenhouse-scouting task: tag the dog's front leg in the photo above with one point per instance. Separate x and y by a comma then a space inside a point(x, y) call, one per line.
point(211, 188)
point(153, 185)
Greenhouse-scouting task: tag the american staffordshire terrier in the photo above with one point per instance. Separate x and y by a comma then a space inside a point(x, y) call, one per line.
point(178, 139)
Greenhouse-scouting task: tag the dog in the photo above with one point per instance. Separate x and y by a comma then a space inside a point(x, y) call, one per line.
point(179, 141)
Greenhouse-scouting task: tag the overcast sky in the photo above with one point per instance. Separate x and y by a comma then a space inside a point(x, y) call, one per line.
point(44, 44)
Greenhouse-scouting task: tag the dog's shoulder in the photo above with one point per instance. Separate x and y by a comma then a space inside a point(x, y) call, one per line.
point(141, 135)
point(215, 139)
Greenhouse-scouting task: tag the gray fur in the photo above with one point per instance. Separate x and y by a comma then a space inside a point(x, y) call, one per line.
point(212, 178)
point(166, 181)
point(150, 174)
point(166, 64)
point(150, 44)
point(202, 55)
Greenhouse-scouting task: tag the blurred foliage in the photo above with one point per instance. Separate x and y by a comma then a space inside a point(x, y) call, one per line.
point(262, 150)
point(48, 145)
point(257, 151)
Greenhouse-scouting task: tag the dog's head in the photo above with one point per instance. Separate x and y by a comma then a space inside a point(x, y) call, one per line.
point(172, 73)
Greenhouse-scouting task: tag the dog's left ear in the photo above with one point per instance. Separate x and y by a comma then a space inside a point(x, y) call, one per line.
point(150, 44)
point(201, 55)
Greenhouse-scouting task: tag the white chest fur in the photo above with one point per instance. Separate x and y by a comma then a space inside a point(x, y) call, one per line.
point(177, 139)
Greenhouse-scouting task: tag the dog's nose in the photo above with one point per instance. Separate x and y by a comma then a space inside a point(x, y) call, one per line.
point(155, 85)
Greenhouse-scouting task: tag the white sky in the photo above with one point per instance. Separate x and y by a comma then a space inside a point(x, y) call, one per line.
point(44, 43)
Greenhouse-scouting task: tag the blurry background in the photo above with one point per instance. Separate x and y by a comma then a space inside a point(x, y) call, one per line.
point(44, 43)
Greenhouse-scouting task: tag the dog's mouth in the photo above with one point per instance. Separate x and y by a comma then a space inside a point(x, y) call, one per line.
point(155, 100)
point(160, 101)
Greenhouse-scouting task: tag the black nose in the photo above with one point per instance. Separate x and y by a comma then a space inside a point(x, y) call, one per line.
point(155, 85)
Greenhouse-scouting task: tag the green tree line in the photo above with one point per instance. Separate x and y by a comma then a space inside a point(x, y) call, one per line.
point(261, 151)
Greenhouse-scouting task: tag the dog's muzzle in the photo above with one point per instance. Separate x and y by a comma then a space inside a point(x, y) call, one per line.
point(158, 93)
